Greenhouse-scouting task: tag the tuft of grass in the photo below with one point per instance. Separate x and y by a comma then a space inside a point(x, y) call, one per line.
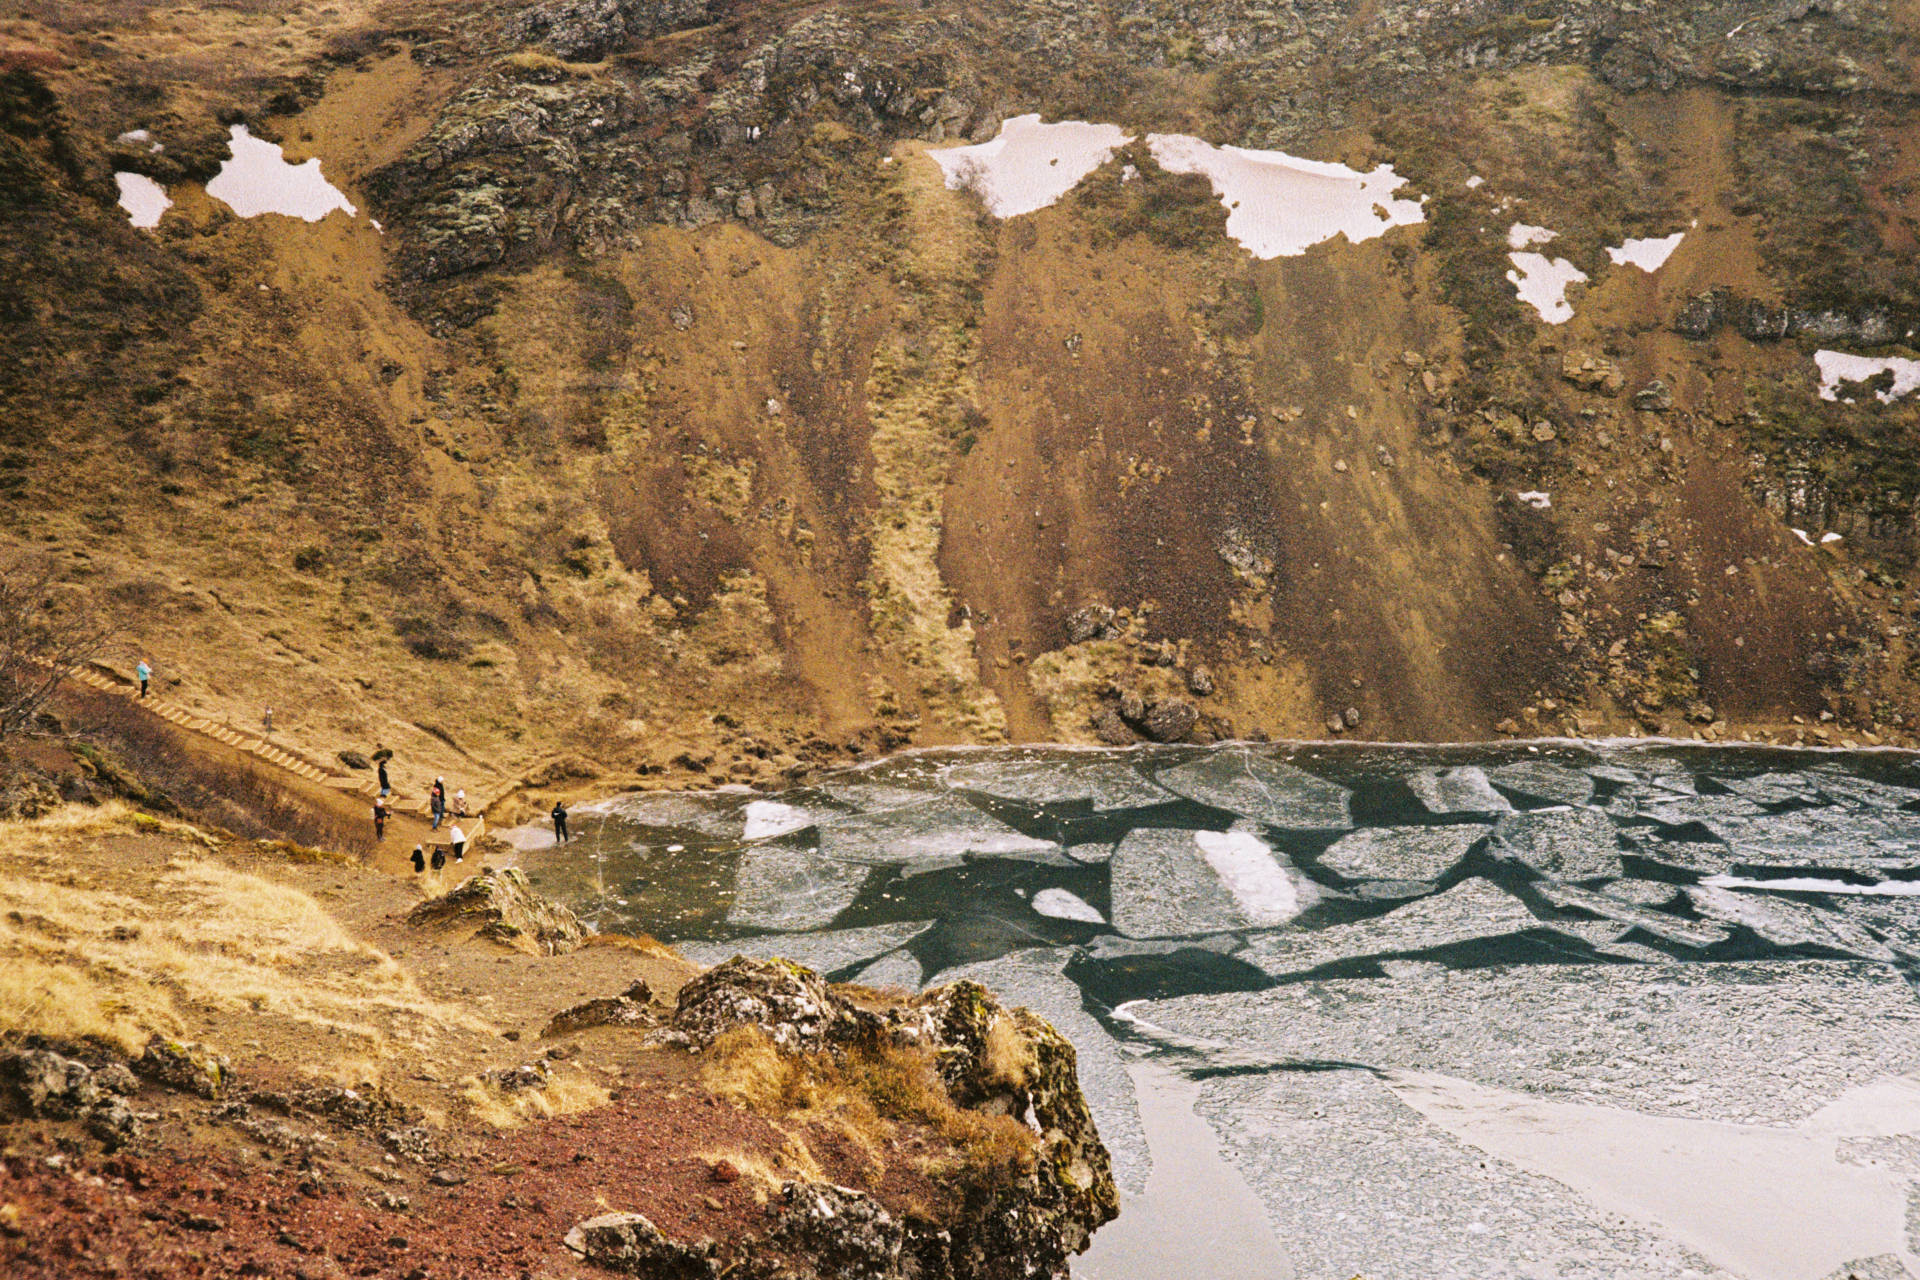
point(567, 1093)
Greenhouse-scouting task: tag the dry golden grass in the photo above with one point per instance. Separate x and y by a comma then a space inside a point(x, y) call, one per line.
point(179, 941)
point(565, 1094)
point(1008, 1055)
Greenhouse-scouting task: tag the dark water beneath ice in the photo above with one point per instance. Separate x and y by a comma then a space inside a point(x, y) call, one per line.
point(1124, 893)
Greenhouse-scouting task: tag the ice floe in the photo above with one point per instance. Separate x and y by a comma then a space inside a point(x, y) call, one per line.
point(1818, 884)
point(1543, 780)
point(1415, 854)
point(825, 952)
point(1542, 282)
point(1572, 844)
point(257, 179)
point(1280, 205)
point(1462, 790)
point(143, 198)
point(1648, 254)
point(1029, 165)
point(941, 831)
point(767, 818)
point(1255, 786)
point(1167, 882)
point(1062, 905)
point(1105, 786)
point(1837, 367)
point(1661, 925)
point(1470, 910)
point(1785, 922)
point(792, 889)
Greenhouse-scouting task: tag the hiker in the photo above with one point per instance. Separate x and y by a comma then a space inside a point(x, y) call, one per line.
point(458, 839)
point(143, 673)
point(385, 786)
point(439, 857)
point(379, 819)
point(419, 859)
point(559, 816)
point(266, 719)
point(460, 803)
point(437, 801)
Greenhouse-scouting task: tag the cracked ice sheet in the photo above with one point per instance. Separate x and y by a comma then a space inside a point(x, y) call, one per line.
point(1037, 979)
point(1265, 790)
point(1831, 837)
point(1471, 909)
point(716, 816)
point(1772, 1204)
point(1166, 882)
point(1401, 853)
point(824, 953)
point(1357, 1183)
point(1757, 1042)
point(1544, 781)
point(1691, 933)
point(1572, 844)
point(792, 889)
point(1107, 786)
point(1787, 923)
point(1462, 790)
point(941, 831)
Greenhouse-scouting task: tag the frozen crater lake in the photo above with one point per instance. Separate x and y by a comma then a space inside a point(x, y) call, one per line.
point(1554, 1011)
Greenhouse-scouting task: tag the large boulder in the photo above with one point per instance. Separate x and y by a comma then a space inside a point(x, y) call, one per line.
point(499, 905)
point(629, 1243)
point(38, 1082)
point(185, 1067)
point(841, 1232)
point(789, 1003)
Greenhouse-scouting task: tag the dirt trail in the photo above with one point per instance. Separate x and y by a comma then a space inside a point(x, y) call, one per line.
point(330, 790)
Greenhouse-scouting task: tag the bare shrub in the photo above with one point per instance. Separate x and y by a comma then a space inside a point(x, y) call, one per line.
point(48, 630)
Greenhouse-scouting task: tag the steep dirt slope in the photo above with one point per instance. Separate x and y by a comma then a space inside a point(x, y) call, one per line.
point(678, 422)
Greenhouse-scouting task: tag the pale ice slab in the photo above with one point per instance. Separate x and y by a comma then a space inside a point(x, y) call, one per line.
point(792, 889)
point(766, 818)
point(1462, 790)
point(1165, 883)
point(257, 179)
point(1471, 909)
point(1544, 780)
point(1037, 979)
point(715, 816)
point(1691, 933)
point(1280, 205)
point(1572, 844)
point(943, 828)
point(1649, 254)
point(1837, 367)
point(1860, 839)
point(1786, 922)
point(1773, 788)
point(1254, 786)
point(1542, 282)
point(1401, 853)
point(1062, 905)
point(1029, 165)
point(874, 797)
point(824, 953)
point(1844, 788)
point(1677, 811)
point(1762, 1202)
point(143, 199)
point(1106, 786)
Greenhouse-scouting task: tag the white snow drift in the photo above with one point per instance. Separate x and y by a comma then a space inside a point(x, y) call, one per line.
point(257, 179)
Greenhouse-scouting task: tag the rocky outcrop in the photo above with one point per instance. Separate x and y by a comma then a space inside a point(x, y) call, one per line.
point(632, 1008)
point(1024, 1220)
point(630, 1244)
point(41, 1084)
point(185, 1067)
point(500, 906)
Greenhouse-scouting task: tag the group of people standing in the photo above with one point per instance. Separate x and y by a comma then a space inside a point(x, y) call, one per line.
point(441, 811)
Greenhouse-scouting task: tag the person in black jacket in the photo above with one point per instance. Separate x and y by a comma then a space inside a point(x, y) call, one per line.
point(559, 822)
point(385, 786)
point(419, 859)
